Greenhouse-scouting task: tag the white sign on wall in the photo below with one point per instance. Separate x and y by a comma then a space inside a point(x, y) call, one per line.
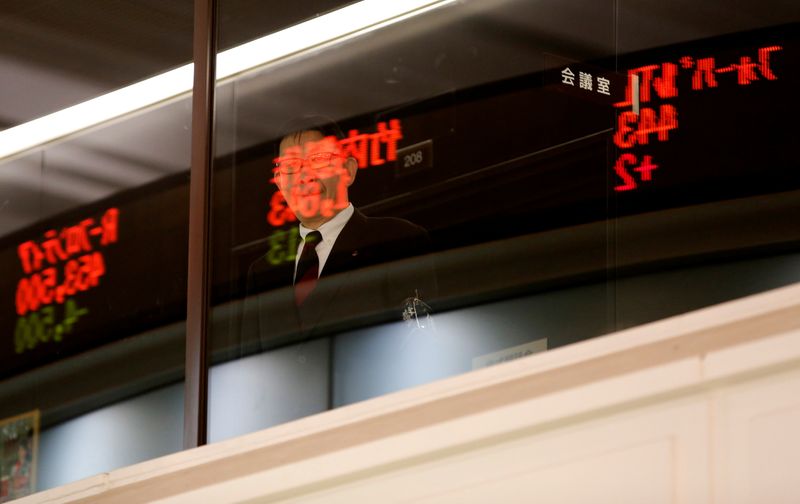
point(509, 354)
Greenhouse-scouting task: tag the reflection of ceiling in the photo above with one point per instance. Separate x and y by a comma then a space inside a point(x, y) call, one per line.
point(60, 52)
point(56, 53)
point(63, 52)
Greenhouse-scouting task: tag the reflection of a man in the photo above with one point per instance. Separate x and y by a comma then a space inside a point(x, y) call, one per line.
point(349, 268)
point(313, 176)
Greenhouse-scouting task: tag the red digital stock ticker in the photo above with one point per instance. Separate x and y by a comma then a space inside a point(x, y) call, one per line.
point(368, 149)
point(64, 262)
point(654, 122)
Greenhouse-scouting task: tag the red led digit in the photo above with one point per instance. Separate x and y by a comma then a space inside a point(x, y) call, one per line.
point(621, 169)
point(341, 190)
point(53, 250)
point(110, 226)
point(391, 137)
point(649, 123)
point(375, 150)
point(628, 92)
point(668, 120)
point(48, 283)
point(763, 61)
point(624, 138)
point(665, 84)
point(30, 255)
point(34, 292)
point(704, 74)
point(76, 238)
point(646, 169)
point(355, 145)
point(276, 215)
point(279, 213)
point(23, 294)
point(83, 277)
point(645, 79)
point(746, 71)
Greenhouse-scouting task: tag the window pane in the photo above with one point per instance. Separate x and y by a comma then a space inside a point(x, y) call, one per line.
point(93, 243)
point(486, 185)
point(453, 187)
point(712, 181)
point(59, 53)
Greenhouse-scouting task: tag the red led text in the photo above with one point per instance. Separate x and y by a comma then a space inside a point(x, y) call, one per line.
point(64, 263)
point(654, 122)
point(326, 159)
point(366, 147)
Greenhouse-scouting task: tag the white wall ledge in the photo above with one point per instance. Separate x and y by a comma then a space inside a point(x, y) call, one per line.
point(693, 359)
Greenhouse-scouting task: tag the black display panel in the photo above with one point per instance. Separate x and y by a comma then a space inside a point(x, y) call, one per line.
point(93, 275)
point(716, 120)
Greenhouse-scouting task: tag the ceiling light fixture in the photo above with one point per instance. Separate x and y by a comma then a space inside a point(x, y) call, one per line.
point(342, 24)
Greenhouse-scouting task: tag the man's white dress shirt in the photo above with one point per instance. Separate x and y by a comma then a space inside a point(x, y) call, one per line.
point(330, 232)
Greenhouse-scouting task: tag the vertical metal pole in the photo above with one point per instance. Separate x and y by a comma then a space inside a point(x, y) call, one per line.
point(196, 387)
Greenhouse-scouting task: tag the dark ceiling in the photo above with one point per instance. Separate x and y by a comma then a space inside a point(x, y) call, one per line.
point(54, 53)
point(82, 48)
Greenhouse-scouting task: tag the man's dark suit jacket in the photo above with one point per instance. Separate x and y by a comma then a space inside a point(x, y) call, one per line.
point(375, 264)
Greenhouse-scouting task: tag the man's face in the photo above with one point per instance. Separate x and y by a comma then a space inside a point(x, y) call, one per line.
point(313, 176)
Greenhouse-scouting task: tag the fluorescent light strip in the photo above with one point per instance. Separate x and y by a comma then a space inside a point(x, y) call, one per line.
point(336, 26)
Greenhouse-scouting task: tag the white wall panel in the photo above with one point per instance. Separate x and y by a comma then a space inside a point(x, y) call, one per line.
point(652, 455)
point(757, 441)
point(703, 408)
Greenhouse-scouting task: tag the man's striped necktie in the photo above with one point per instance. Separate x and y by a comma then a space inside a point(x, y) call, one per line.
point(307, 268)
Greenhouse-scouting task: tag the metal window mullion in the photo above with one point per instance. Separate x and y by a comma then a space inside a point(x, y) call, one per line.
point(199, 268)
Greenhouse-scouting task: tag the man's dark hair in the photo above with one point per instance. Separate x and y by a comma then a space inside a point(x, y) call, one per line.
point(323, 124)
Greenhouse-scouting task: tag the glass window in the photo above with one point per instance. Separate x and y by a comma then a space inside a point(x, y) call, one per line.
point(704, 176)
point(405, 195)
point(93, 241)
point(63, 53)
point(402, 191)
point(432, 156)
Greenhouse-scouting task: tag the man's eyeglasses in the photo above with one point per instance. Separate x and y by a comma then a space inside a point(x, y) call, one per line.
point(317, 161)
